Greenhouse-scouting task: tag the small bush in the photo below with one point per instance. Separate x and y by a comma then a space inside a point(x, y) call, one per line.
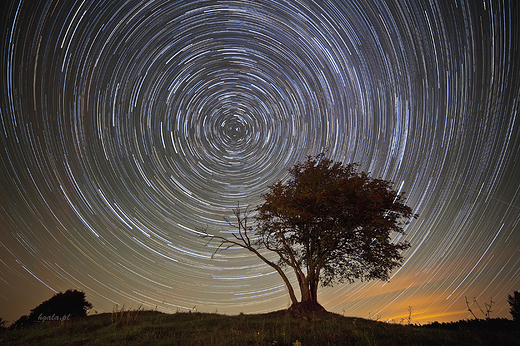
point(62, 306)
point(514, 302)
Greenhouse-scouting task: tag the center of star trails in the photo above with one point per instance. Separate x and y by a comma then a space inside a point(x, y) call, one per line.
point(234, 129)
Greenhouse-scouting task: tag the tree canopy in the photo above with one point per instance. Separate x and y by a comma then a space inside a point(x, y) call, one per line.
point(329, 224)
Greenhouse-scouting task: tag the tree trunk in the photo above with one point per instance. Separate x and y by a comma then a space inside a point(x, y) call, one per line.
point(309, 297)
point(305, 307)
point(304, 290)
point(310, 291)
point(313, 289)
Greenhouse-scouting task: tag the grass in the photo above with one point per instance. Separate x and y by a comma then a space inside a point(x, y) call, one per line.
point(140, 327)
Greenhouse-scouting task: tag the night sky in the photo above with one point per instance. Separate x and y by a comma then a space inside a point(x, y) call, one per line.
point(127, 127)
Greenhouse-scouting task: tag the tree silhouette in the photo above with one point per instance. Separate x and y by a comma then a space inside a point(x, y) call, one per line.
point(327, 223)
point(62, 306)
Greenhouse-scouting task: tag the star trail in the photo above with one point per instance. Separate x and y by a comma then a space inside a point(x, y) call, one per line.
point(129, 127)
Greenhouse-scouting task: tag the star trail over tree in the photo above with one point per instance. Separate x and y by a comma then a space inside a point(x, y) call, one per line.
point(126, 126)
point(328, 224)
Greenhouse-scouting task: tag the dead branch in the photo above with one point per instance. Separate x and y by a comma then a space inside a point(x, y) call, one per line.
point(469, 309)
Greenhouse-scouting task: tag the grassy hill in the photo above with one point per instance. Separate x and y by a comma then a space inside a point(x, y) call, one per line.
point(140, 327)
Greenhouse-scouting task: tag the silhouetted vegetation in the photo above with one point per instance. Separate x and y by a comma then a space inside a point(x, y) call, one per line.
point(21, 322)
point(487, 306)
point(62, 306)
point(329, 224)
point(2, 323)
point(514, 303)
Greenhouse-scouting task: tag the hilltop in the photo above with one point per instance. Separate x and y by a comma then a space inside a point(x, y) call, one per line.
point(138, 327)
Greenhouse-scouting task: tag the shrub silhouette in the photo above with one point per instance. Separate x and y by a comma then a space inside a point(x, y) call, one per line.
point(2, 323)
point(62, 306)
point(514, 302)
point(21, 322)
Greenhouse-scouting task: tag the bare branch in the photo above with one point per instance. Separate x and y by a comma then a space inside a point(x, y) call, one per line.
point(243, 241)
point(488, 308)
point(469, 309)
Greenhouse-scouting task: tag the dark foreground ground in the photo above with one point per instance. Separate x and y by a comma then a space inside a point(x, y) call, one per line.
point(277, 328)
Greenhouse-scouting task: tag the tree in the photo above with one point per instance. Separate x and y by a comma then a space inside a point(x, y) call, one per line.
point(514, 303)
point(61, 306)
point(327, 223)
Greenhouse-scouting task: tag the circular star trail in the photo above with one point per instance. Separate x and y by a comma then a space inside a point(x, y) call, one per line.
point(129, 128)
